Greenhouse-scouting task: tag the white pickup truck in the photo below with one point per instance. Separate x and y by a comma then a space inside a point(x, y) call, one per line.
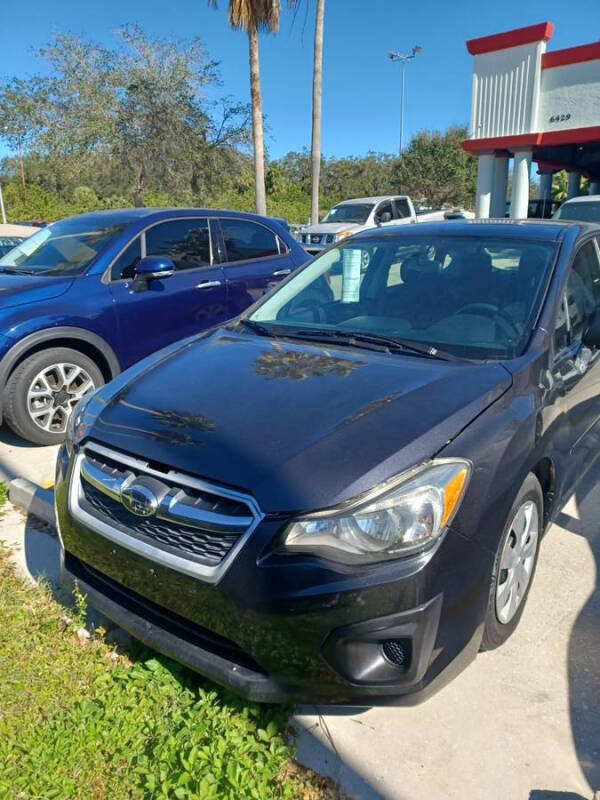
point(352, 216)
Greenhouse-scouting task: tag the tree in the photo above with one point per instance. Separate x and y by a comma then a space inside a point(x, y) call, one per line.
point(252, 16)
point(316, 111)
point(126, 120)
point(435, 169)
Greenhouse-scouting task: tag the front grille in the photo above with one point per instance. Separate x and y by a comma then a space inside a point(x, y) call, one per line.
point(169, 517)
point(206, 547)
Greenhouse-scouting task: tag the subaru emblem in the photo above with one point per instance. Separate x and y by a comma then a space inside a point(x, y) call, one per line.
point(139, 500)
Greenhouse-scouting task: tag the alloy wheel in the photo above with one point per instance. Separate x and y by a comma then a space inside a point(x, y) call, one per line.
point(517, 561)
point(53, 394)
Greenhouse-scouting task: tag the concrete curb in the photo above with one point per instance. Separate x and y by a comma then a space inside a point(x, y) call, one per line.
point(33, 499)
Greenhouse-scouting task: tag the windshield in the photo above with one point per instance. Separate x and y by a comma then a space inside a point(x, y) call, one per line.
point(588, 211)
point(349, 212)
point(472, 297)
point(64, 248)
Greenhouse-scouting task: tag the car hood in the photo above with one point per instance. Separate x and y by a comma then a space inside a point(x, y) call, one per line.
point(17, 290)
point(332, 227)
point(300, 426)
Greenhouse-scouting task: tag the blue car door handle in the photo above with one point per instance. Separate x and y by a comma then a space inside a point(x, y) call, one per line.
point(279, 273)
point(208, 284)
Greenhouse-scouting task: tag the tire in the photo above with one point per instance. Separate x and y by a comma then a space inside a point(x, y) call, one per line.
point(506, 587)
point(45, 375)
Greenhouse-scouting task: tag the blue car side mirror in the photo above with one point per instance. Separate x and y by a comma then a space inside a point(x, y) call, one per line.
point(152, 267)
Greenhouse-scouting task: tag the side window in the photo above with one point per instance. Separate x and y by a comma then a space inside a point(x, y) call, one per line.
point(245, 240)
point(124, 266)
point(384, 208)
point(185, 241)
point(402, 208)
point(580, 298)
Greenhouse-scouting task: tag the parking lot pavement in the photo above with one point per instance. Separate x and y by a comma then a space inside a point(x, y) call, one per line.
point(21, 459)
point(522, 722)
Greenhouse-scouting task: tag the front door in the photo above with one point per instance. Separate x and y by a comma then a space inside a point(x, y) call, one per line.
point(577, 367)
point(192, 299)
point(254, 259)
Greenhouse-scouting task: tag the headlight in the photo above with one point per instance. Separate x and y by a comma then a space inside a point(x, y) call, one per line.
point(78, 424)
point(343, 235)
point(399, 521)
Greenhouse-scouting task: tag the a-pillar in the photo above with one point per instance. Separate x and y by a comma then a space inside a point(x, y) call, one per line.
point(594, 187)
point(498, 203)
point(519, 201)
point(573, 184)
point(485, 182)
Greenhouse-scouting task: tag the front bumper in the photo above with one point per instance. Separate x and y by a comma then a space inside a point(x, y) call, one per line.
point(293, 628)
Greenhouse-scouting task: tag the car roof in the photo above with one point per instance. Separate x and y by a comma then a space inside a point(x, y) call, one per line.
point(584, 198)
point(541, 230)
point(376, 199)
point(125, 216)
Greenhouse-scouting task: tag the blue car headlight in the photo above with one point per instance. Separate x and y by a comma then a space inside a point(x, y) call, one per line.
point(390, 522)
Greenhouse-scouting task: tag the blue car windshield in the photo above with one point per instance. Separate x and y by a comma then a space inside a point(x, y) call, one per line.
point(64, 248)
point(472, 297)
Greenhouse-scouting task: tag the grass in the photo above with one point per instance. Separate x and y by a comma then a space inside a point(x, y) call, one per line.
point(80, 720)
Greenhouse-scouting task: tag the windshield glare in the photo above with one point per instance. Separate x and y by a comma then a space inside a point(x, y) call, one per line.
point(349, 212)
point(473, 297)
point(64, 248)
point(588, 211)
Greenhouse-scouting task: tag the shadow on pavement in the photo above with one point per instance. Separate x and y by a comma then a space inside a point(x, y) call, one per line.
point(542, 794)
point(10, 438)
point(584, 643)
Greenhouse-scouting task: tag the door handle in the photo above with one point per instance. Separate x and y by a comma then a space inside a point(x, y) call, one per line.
point(280, 273)
point(208, 284)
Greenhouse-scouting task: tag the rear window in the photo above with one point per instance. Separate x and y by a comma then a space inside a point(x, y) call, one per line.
point(585, 211)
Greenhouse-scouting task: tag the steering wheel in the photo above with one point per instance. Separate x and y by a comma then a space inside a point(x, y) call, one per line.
point(310, 304)
point(499, 316)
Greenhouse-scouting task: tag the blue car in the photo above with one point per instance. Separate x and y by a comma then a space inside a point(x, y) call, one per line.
point(87, 297)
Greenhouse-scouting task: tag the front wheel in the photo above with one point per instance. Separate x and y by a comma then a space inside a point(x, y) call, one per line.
point(514, 564)
point(43, 390)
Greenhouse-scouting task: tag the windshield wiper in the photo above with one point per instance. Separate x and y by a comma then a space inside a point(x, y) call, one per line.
point(17, 271)
point(377, 341)
point(256, 327)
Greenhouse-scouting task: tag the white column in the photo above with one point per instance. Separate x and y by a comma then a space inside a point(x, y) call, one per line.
point(546, 186)
point(519, 200)
point(594, 187)
point(573, 184)
point(485, 180)
point(498, 204)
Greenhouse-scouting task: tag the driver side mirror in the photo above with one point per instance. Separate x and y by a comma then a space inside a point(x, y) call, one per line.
point(591, 337)
point(150, 268)
point(385, 216)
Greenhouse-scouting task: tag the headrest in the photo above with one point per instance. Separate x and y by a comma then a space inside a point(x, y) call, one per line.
point(415, 268)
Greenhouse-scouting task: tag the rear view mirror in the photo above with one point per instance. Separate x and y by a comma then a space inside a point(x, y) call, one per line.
point(591, 337)
point(151, 268)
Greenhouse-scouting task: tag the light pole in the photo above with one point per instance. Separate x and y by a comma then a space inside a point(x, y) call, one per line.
point(403, 58)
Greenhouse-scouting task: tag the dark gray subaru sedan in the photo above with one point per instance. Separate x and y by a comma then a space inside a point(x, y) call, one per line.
point(340, 496)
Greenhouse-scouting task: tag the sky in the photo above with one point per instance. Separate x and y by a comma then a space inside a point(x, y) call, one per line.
point(361, 86)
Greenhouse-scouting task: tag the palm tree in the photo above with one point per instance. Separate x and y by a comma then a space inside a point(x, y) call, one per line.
point(252, 16)
point(316, 111)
